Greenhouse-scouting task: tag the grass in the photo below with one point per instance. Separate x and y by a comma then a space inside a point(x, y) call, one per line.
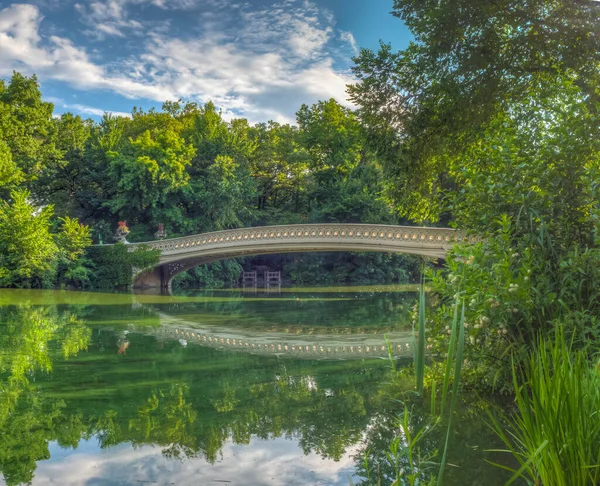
point(456, 382)
point(420, 350)
point(555, 436)
point(404, 456)
point(453, 367)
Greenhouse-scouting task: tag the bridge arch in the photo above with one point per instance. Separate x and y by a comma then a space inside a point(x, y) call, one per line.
point(181, 254)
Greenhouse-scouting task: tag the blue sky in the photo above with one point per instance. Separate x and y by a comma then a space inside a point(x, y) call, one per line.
point(259, 59)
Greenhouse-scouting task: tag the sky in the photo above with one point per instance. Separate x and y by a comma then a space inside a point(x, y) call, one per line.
point(274, 462)
point(257, 59)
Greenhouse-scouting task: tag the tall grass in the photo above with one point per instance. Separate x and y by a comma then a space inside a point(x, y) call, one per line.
point(456, 381)
point(420, 351)
point(453, 367)
point(409, 465)
point(555, 436)
point(451, 349)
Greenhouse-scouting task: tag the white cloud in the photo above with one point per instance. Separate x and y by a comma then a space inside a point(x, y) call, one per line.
point(80, 109)
point(107, 18)
point(273, 462)
point(261, 64)
point(348, 38)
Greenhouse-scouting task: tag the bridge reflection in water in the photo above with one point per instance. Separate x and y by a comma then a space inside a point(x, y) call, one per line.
point(308, 346)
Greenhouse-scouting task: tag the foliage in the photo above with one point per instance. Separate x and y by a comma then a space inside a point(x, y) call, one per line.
point(10, 174)
point(116, 266)
point(32, 256)
point(225, 273)
point(26, 125)
point(73, 238)
point(470, 61)
point(27, 248)
point(489, 120)
point(555, 436)
point(186, 168)
point(354, 268)
point(147, 169)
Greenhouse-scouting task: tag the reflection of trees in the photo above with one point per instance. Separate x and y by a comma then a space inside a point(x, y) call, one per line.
point(28, 420)
point(166, 419)
point(190, 401)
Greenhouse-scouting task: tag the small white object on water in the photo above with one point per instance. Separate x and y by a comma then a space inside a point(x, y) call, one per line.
point(183, 342)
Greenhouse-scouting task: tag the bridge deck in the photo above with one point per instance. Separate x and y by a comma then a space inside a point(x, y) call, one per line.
point(180, 254)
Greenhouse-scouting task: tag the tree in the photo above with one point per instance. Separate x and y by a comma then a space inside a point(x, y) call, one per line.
point(331, 135)
point(280, 166)
point(10, 174)
point(27, 248)
point(147, 169)
point(470, 60)
point(62, 180)
point(30, 255)
point(26, 124)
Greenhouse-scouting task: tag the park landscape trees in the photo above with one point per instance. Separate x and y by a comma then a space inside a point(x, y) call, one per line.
point(188, 169)
point(488, 120)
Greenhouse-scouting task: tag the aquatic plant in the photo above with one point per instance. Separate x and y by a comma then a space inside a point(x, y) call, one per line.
point(420, 350)
point(455, 347)
point(409, 464)
point(456, 381)
point(555, 436)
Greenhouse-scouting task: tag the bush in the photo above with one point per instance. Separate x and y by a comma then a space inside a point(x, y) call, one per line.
point(515, 287)
point(116, 266)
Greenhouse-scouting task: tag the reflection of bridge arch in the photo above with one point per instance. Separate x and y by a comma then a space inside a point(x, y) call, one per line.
point(180, 254)
point(306, 346)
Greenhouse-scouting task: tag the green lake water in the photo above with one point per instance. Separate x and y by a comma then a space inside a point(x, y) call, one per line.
point(226, 387)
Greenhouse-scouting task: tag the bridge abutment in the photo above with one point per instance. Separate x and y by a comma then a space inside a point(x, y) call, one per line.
point(154, 279)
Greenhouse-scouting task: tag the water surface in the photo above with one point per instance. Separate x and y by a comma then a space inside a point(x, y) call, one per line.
point(106, 389)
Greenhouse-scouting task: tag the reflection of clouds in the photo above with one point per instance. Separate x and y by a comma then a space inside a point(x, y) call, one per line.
point(277, 462)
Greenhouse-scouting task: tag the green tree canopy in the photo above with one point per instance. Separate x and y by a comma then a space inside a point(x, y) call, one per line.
point(426, 106)
point(26, 124)
point(27, 248)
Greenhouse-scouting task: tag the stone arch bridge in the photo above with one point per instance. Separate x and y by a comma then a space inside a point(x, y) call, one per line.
point(181, 254)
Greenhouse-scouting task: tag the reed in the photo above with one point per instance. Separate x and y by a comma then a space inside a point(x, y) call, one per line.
point(451, 349)
point(555, 436)
point(420, 351)
point(456, 381)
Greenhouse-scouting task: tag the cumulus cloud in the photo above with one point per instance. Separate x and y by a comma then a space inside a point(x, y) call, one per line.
point(276, 462)
point(258, 63)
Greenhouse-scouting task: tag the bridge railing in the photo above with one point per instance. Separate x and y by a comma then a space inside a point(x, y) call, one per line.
point(350, 233)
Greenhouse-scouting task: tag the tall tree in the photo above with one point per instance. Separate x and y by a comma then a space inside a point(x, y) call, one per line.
point(147, 169)
point(10, 174)
point(332, 136)
point(27, 248)
point(469, 60)
point(280, 166)
point(26, 124)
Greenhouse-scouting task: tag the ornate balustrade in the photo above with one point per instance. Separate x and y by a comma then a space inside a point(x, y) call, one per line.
point(179, 254)
point(436, 238)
